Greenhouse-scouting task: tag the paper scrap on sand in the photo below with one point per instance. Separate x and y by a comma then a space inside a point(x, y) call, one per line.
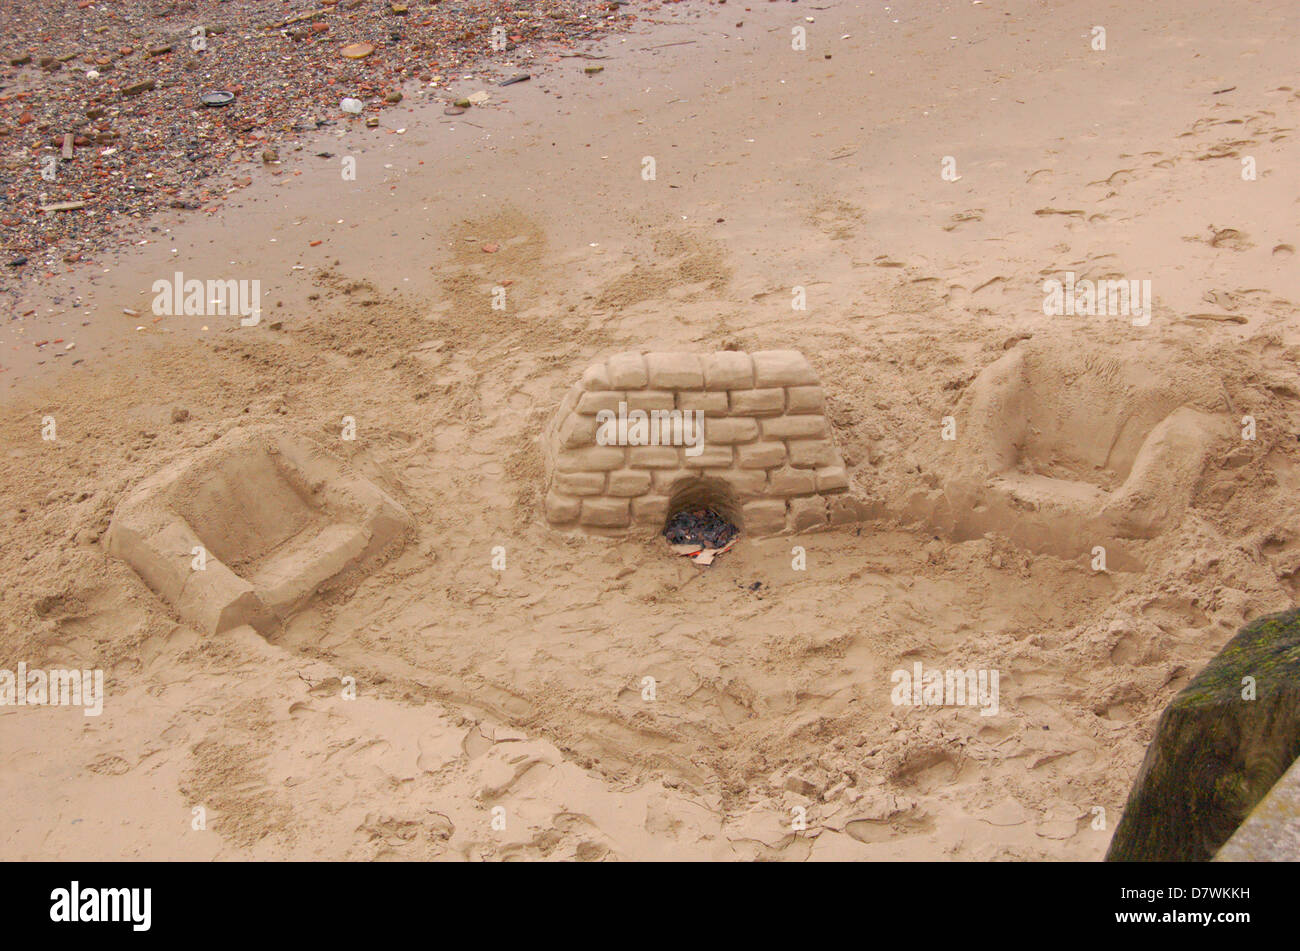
point(701, 556)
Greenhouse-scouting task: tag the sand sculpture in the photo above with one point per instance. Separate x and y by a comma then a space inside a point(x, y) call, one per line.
point(642, 436)
point(1064, 450)
point(248, 530)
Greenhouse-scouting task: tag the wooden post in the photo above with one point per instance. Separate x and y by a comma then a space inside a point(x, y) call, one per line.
point(1219, 747)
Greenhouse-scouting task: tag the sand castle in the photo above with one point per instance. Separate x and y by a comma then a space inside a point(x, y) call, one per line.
point(642, 436)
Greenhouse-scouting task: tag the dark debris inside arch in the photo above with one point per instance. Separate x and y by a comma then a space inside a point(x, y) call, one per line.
point(700, 533)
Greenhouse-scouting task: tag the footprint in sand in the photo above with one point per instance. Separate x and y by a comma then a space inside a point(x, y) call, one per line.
point(1229, 238)
point(993, 283)
point(1121, 177)
point(473, 744)
point(1068, 212)
point(110, 765)
point(1225, 150)
point(970, 214)
point(886, 261)
point(926, 769)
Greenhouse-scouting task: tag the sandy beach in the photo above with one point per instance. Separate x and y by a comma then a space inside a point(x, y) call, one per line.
point(914, 177)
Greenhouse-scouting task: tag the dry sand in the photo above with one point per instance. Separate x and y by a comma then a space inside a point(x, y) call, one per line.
point(522, 689)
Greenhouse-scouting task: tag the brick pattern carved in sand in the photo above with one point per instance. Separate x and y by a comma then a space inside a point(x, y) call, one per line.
point(768, 458)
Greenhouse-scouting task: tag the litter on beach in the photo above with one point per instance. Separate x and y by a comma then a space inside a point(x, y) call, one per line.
point(700, 534)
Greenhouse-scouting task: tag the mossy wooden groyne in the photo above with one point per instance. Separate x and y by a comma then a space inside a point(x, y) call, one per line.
point(1217, 752)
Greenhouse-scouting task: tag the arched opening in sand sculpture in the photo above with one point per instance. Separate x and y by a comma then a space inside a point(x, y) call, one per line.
point(705, 493)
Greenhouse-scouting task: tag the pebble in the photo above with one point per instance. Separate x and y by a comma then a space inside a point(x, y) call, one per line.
point(357, 50)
